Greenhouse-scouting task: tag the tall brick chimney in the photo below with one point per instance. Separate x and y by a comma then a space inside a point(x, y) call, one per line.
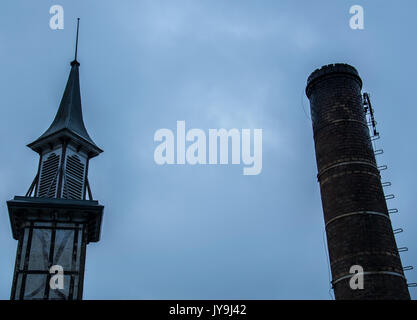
point(358, 225)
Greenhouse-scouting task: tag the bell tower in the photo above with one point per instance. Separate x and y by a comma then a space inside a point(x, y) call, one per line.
point(57, 217)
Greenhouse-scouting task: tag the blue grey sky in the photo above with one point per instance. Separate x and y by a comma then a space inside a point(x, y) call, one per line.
point(204, 232)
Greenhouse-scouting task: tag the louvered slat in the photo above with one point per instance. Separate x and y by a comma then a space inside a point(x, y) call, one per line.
point(47, 180)
point(74, 175)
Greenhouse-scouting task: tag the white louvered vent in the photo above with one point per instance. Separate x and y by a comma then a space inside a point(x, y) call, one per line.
point(74, 178)
point(48, 179)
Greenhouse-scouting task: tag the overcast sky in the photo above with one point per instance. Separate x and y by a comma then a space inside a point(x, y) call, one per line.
point(204, 232)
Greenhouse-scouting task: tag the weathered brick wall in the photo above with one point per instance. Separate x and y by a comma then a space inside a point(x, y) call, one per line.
point(358, 226)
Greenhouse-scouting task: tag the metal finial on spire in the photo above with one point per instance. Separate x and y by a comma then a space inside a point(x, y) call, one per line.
point(76, 44)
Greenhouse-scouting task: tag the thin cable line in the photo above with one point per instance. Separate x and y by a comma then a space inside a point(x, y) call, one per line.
point(328, 265)
point(303, 106)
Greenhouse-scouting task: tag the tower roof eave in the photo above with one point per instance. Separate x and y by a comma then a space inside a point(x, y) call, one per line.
point(44, 142)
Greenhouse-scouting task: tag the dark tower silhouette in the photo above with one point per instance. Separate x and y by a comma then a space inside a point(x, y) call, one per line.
point(358, 225)
point(54, 221)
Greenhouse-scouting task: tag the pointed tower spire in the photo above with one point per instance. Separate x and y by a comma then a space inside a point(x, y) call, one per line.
point(68, 122)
